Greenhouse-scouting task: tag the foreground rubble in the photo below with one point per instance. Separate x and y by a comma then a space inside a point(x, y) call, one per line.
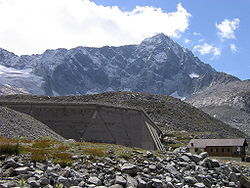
point(174, 169)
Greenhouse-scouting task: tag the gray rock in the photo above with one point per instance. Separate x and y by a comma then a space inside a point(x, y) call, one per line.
point(190, 180)
point(116, 186)
point(185, 158)
point(194, 157)
point(168, 179)
point(152, 167)
point(21, 170)
point(141, 182)
point(94, 180)
point(44, 181)
point(199, 185)
point(120, 180)
point(203, 155)
point(33, 183)
point(172, 170)
point(207, 182)
point(130, 169)
point(131, 182)
point(233, 177)
point(9, 172)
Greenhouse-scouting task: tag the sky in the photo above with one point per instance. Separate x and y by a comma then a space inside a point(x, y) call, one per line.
point(216, 31)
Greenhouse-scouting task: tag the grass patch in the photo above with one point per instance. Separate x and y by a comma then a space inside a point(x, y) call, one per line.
point(100, 152)
point(123, 154)
point(39, 155)
point(62, 158)
point(42, 143)
point(9, 146)
point(62, 147)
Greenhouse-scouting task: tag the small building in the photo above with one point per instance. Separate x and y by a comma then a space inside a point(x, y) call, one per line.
point(219, 147)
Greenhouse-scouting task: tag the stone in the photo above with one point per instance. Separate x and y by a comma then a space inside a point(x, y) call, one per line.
point(207, 182)
point(131, 182)
point(168, 179)
point(171, 169)
point(21, 170)
point(233, 177)
point(44, 181)
point(152, 167)
point(203, 155)
point(120, 180)
point(141, 182)
point(116, 186)
point(66, 172)
point(94, 180)
point(9, 172)
point(157, 183)
point(185, 158)
point(190, 180)
point(194, 157)
point(130, 169)
point(215, 163)
point(199, 185)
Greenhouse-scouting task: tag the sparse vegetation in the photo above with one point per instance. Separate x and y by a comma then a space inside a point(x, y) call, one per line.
point(64, 159)
point(100, 152)
point(42, 143)
point(38, 155)
point(9, 146)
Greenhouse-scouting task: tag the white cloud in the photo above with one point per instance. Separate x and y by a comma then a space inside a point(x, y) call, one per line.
point(227, 28)
point(187, 41)
point(32, 26)
point(207, 49)
point(233, 48)
point(197, 34)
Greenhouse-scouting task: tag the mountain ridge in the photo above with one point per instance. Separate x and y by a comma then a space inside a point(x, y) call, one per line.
point(229, 102)
point(156, 65)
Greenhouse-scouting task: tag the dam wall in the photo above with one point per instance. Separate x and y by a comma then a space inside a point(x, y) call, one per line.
point(95, 123)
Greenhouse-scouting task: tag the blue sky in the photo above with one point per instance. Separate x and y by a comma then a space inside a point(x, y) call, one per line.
point(202, 29)
point(217, 31)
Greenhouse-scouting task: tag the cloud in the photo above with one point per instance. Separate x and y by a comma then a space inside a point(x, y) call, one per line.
point(29, 26)
point(233, 48)
point(197, 34)
point(226, 28)
point(205, 49)
point(187, 41)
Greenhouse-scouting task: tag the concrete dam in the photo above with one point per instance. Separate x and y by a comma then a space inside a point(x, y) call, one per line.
point(95, 122)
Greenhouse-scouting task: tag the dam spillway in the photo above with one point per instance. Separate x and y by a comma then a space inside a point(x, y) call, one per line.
point(94, 122)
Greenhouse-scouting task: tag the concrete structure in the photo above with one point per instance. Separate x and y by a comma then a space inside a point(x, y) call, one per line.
point(219, 147)
point(95, 123)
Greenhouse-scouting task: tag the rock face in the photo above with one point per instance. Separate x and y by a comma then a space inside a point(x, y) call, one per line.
point(113, 172)
point(229, 103)
point(156, 65)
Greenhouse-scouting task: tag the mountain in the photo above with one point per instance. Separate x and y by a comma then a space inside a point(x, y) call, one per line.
point(156, 65)
point(167, 112)
point(229, 103)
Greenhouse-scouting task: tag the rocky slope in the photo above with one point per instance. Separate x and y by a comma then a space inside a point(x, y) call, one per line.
point(13, 124)
point(169, 113)
point(139, 169)
point(229, 103)
point(10, 90)
point(156, 65)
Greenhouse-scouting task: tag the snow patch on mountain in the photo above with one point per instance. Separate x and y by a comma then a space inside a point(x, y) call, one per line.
point(194, 75)
point(21, 79)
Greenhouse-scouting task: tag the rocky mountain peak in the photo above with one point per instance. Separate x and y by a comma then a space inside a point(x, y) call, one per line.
point(156, 65)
